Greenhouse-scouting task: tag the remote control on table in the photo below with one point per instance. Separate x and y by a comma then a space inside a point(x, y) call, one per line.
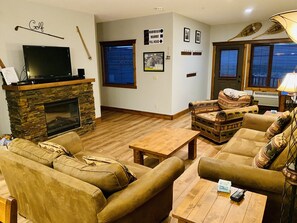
point(238, 195)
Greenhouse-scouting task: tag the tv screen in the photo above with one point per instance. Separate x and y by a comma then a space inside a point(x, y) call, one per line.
point(47, 63)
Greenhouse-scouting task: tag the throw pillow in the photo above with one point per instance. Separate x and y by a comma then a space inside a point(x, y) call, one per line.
point(268, 153)
point(108, 177)
point(95, 160)
point(278, 125)
point(54, 147)
point(226, 102)
point(30, 150)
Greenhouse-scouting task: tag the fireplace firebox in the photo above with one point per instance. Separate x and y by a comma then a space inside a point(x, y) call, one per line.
point(62, 116)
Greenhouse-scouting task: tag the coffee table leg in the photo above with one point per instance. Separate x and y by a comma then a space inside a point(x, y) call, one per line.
point(192, 149)
point(138, 157)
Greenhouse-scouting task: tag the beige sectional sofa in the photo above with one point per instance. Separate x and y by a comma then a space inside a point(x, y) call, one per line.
point(47, 195)
point(234, 162)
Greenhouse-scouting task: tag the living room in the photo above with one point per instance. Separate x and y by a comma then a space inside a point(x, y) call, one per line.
point(163, 94)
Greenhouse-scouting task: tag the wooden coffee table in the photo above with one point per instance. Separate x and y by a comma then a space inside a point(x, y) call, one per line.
point(164, 142)
point(204, 204)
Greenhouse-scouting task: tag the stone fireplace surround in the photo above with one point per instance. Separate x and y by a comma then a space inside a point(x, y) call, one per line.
point(26, 106)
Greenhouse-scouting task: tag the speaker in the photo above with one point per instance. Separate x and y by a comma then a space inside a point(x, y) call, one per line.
point(81, 72)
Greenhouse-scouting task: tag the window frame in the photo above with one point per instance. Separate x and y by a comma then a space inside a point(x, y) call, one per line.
point(250, 45)
point(103, 44)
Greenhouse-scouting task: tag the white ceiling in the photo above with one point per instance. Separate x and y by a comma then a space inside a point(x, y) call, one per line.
point(211, 12)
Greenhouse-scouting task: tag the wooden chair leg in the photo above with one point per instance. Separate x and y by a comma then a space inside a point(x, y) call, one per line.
point(8, 210)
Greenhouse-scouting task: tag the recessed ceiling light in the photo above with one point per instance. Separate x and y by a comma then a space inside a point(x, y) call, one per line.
point(159, 9)
point(248, 10)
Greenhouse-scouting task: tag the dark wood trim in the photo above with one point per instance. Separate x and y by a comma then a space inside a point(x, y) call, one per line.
point(149, 114)
point(197, 53)
point(261, 41)
point(243, 67)
point(120, 86)
point(213, 71)
point(248, 65)
point(46, 85)
point(179, 114)
point(191, 75)
point(187, 53)
point(118, 43)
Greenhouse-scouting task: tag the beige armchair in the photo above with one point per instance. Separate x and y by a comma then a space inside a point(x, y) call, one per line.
point(219, 119)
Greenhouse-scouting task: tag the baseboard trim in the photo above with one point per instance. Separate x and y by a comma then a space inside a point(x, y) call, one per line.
point(149, 114)
point(97, 120)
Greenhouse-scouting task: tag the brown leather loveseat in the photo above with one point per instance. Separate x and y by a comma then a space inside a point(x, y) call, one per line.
point(237, 159)
point(45, 194)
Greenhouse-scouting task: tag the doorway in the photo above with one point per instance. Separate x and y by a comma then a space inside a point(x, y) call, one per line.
point(228, 68)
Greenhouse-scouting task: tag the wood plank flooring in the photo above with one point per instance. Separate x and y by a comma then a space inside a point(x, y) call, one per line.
point(116, 130)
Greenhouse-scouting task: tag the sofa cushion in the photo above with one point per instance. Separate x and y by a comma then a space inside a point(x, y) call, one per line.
point(243, 147)
point(108, 177)
point(32, 151)
point(234, 158)
point(251, 134)
point(137, 169)
point(208, 116)
point(269, 152)
point(278, 125)
point(100, 160)
point(226, 102)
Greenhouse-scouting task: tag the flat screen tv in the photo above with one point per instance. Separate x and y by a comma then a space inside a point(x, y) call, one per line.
point(47, 63)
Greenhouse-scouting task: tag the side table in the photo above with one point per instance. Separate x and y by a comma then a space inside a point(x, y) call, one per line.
point(205, 204)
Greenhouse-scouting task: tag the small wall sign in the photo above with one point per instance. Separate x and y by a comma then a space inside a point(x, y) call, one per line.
point(153, 36)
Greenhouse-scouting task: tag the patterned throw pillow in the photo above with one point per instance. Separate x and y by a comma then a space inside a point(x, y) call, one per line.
point(278, 125)
point(267, 154)
point(53, 147)
point(97, 161)
point(108, 177)
point(226, 102)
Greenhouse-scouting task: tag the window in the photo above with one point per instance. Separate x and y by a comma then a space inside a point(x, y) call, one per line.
point(228, 64)
point(118, 63)
point(270, 63)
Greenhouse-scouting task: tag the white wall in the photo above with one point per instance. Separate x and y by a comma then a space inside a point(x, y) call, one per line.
point(167, 92)
point(189, 89)
point(153, 91)
point(56, 21)
point(222, 33)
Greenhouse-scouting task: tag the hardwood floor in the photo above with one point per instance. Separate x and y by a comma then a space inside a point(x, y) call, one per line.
point(116, 130)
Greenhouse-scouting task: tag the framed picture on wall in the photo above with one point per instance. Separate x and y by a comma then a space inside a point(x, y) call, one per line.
point(153, 61)
point(186, 34)
point(197, 36)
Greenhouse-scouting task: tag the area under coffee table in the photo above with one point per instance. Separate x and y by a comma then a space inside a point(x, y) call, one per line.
point(164, 142)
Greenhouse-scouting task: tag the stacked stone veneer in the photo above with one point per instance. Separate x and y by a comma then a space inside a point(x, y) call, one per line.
point(27, 115)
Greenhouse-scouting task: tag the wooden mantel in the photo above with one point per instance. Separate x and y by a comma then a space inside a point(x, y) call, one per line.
point(45, 85)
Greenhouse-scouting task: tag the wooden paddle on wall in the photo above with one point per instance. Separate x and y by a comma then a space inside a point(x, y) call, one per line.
point(83, 42)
